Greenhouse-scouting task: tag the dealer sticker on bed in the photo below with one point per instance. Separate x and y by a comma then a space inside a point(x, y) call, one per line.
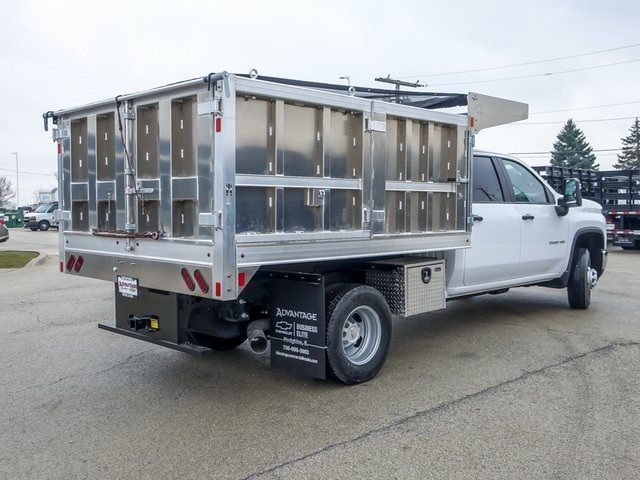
point(128, 286)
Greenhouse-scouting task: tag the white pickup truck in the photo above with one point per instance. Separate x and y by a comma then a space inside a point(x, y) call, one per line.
point(524, 234)
point(42, 218)
point(303, 217)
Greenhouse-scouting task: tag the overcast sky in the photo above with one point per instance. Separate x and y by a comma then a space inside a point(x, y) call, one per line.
point(61, 54)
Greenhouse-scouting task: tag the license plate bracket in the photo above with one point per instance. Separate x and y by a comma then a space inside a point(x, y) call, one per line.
point(127, 286)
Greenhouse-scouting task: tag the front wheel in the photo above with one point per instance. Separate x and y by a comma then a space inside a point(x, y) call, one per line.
point(44, 225)
point(583, 278)
point(358, 332)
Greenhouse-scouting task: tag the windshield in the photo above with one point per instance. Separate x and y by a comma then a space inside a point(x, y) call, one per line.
point(42, 208)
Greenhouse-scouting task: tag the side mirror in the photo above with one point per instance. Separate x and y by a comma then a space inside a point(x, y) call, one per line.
point(572, 193)
point(571, 196)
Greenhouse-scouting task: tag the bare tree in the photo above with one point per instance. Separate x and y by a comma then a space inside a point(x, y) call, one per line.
point(6, 190)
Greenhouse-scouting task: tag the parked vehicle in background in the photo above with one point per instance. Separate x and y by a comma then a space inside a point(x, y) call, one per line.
point(618, 191)
point(306, 216)
point(26, 209)
point(4, 231)
point(42, 218)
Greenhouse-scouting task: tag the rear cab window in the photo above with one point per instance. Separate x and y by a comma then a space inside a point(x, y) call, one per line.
point(486, 185)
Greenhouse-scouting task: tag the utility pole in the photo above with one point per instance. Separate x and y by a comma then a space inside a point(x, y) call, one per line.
point(17, 181)
point(399, 83)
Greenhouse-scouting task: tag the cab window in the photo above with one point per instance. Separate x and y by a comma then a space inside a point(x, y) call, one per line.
point(526, 187)
point(486, 186)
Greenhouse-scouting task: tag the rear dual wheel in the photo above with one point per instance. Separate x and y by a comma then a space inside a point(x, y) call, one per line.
point(358, 332)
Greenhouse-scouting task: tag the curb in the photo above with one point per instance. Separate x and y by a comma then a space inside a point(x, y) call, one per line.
point(39, 260)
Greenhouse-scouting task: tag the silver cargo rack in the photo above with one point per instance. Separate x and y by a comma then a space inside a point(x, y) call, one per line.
point(227, 174)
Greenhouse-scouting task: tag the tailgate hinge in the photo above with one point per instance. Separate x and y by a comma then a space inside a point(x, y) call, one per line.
point(211, 107)
point(62, 215)
point(58, 134)
point(210, 220)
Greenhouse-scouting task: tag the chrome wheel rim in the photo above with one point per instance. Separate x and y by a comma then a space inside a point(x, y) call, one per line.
point(361, 335)
point(592, 277)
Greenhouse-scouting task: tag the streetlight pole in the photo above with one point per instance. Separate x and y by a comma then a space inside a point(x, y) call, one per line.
point(17, 181)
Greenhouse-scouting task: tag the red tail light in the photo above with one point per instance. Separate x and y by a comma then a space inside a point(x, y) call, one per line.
point(79, 263)
point(61, 266)
point(202, 283)
point(242, 279)
point(59, 148)
point(70, 263)
point(218, 124)
point(218, 289)
point(188, 281)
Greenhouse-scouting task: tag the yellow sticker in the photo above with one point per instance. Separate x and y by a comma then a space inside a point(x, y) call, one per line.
point(154, 323)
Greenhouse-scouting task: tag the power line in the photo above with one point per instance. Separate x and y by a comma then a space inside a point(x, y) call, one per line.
point(590, 120)
point(533, 157)
point(533, 62)
point(586, 108)
point(519, 77)
point(27, 173)
point(568, 151)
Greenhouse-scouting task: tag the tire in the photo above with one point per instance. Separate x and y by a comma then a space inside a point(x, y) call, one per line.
point(217, 343)
point(43, 225)
point(2, 240)
point(358, 332)
point(33, 229)
point(579, 287)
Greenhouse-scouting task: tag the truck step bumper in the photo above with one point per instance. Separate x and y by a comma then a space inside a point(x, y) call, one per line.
point(183, 347)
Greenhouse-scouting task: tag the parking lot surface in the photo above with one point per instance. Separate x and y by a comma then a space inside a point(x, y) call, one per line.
point(506, 386)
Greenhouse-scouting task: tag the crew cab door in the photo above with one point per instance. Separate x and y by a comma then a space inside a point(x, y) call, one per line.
point(544, 234)
point(495, 238)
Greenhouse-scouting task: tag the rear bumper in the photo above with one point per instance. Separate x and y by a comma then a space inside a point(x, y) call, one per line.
point(182, 347)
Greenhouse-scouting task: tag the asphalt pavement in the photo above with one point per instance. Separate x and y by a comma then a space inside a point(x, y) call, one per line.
point(499, 386)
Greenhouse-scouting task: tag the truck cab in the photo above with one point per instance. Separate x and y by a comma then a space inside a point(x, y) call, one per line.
point(42, 218)
point(522, 234)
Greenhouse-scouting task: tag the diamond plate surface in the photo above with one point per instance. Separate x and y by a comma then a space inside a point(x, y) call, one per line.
point(402, 286)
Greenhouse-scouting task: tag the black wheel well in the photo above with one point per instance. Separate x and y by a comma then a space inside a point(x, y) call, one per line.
point(594, 242)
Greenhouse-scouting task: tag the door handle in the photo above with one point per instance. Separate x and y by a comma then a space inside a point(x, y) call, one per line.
point(528, 217)
point(477, 218)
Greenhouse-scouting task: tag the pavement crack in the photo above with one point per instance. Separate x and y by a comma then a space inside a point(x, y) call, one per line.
point(442, 406)
point(67, 377)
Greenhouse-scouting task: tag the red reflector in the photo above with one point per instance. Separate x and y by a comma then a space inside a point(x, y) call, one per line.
point(79, 263)
point(70, 262)
point(218, 289)
point(188, 281)
point(202, 283)
point(218, 124)
point(59, 148)
point(242, 279)
point(62, 266)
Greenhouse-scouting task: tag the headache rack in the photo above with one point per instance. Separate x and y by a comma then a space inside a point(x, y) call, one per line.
point(225, 174)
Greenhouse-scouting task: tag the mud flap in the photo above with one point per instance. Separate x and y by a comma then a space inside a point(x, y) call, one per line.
point(296, 310)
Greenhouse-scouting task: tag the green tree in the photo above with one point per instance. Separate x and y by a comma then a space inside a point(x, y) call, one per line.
point(572, 150)
point(630, 156)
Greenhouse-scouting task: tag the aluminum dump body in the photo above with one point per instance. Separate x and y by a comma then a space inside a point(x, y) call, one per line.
point(241, 173)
